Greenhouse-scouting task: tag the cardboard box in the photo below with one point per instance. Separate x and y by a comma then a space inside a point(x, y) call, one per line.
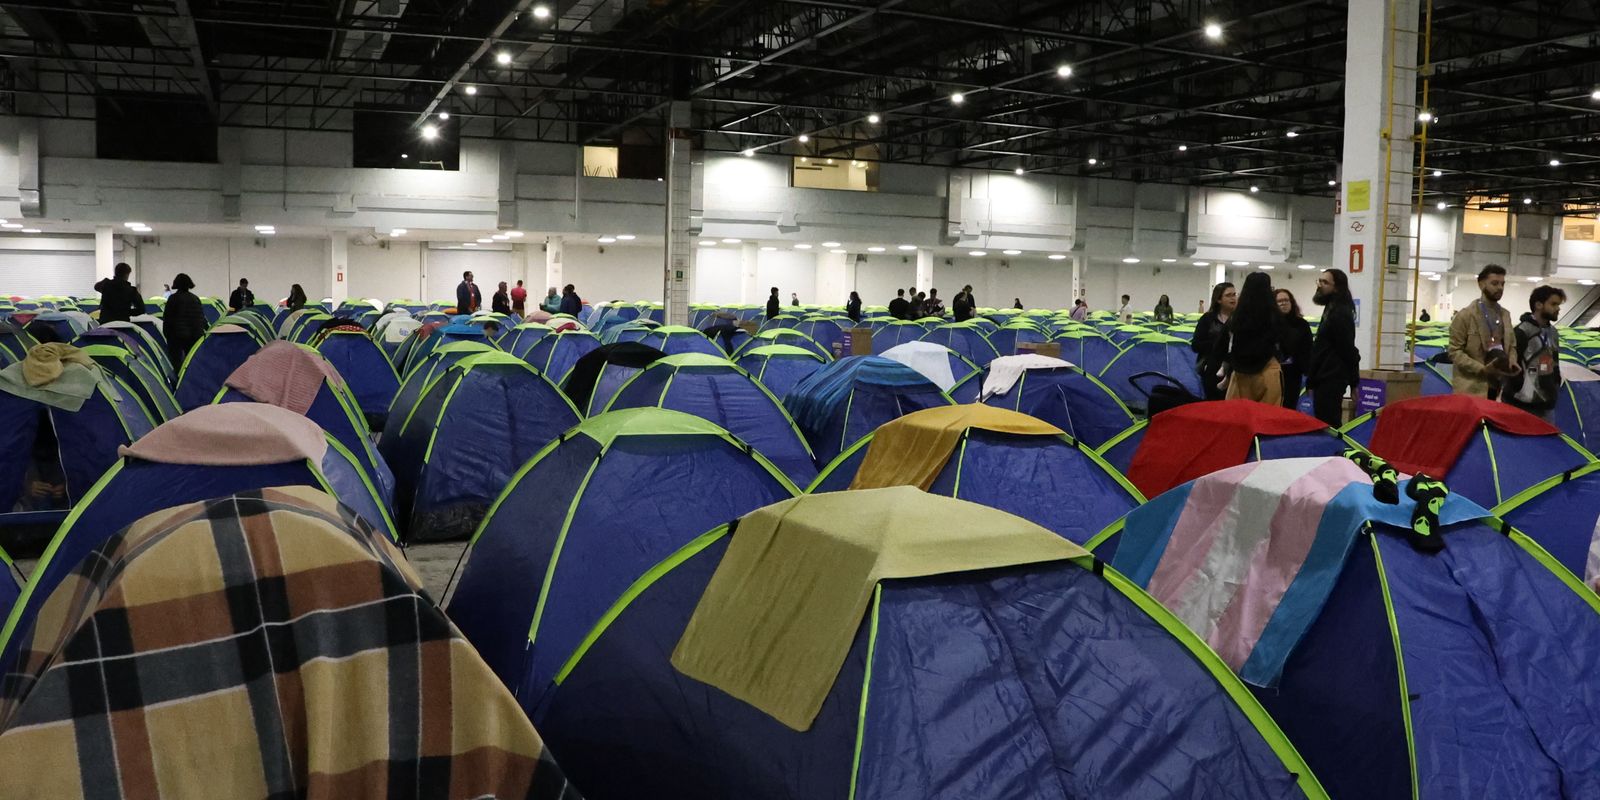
point(1051, 349)
point(749, 327)
point(1380, 387)
point(856, 342)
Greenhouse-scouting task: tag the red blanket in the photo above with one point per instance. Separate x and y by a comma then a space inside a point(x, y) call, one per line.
point(1200, 438)
point(1427, 434)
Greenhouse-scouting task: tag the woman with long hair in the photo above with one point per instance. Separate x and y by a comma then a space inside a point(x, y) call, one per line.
point(1295, 350)
point(297, 298)
point(1248, 345)
point(1163, 312)
point(1206, 332)
point(852, 309)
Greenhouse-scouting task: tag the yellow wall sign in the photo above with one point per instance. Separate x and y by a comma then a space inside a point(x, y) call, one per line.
point(1360, 196)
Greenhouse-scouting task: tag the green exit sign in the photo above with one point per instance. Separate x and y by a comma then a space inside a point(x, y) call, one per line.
point(1394, 255)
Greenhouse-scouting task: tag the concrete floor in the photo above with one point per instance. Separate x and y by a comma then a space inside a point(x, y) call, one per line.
point(433, 562)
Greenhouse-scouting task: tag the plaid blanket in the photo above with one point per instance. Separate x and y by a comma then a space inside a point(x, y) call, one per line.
point(268, 644)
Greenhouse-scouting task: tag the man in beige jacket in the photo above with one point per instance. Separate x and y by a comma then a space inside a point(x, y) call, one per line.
point(1482, 351)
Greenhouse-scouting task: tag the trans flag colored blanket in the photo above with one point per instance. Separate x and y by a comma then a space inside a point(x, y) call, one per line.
point(1246, 557)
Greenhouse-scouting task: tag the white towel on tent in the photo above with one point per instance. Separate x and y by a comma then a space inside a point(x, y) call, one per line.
point(1573, 372)
point(932, 360)
point(397, 330)
point(1004, 372)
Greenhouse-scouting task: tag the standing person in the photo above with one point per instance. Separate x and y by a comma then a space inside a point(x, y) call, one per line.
point(552, 302)
point(468, 297)
point(1163, 310)
point(166, 290)
point(501, 302)
point(794, 299)
point(898, 307)
point(1080, 310)
point(852, 308)
point(296, 299)
point(1335, 360)
point(963, 304)
point(933, 306)
point(242, 298)
point(1124, 313)
point(1426, 317)
point(1479, 337)
point(1247, 347)
point(1224, 299)
point(773, 306)
point(571, 303)
point(519, 300)
point(919, 305)
point(1295, 350)
point(183, 323)
point(119, 300)
point(1016, 303)
point(1539, 351)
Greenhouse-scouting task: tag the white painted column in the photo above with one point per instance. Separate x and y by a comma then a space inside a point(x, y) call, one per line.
point(554, 249)
point(105, 254)
point(833, 284)
point(925, 271)
point(1077, 280)
point(1370, 109)
point(339, 266)
point(749, 260)
point(1219, 273)
point(531, 273)
point(678, 263)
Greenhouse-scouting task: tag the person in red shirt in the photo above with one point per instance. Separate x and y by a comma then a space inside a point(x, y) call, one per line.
point(519, 300)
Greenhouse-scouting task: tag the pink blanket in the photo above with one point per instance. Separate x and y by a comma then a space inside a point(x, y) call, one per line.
point(284, 374)
point(231, 435)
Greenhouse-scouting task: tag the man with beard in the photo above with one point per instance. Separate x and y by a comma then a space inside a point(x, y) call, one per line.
point(1335, 360)
point(1539, 350)
point(1482, 356)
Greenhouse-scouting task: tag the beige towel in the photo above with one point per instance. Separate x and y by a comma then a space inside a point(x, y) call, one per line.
point(912, 450)
point(777, 619)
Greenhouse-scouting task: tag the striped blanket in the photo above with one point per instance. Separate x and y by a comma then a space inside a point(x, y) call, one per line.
point(1247, 557)
point(268, 644)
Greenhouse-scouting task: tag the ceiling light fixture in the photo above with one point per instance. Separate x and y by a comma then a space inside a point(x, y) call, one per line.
point(1586, 282)
point(768, 249)
point(1438, 174)
point(1202, 263)
point(485, 240)
point(1183, 148)
point(1292, 134)
point(1241, 263)
point(802, 247)
point(502, 58)
point(1063, 71)
point(1093, 161)
point(1333, 183)
point(1533, 279)
point(126, 224)
point(626, 237)
point(748, 153)
point(1020, 171)
point(830, 244)
point(1267, 267)
point(802, 138)
point(708, 243)
point(398, 232)
point(1594, 95)
point(444, 115)
point(32, 230)
point(876, 249)
point(732, 241)
point(905, 247)
point(1443, 205)
point(1424, 117)
point(471, 90)
point(1057, 257)
point(977, 253)
point(1555, 162)
point(957, 98)
point(1130, 260)
point(500, 237)
point(469, 244)
point(430, 132)
point(1213, 30)
point(514, 234)
point(837, 252)
point(1012, 252)
point(405, 155)
point(607, 239)
point(1307, 266)
point(874, 119)
point(1527, 201)
point(1255, 189)
point(1169, 260)
point(258, 227)
point(541, 12)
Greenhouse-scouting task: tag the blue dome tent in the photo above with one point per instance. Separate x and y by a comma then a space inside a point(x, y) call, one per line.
point(523, 337)
point(423, 376)
point(1406, 649)
point(892, 333)
point(715, 389)
point(780, 367)
point(425, 340)
point(1577, 411)
point(299, 379)
point(458, 447)
point(996, 458)
point(786, 337)
point(828, 332)
point(555, 354)
point(1059, 393)
point(368, 374)
point(966, 339)
point(1006, 339)
point(553, 533)
point(211, 451)
point(1151, 352)
point(140, 379)
point(1084, 347)
point(903, 697)
point(675, 339)
point(1485, 451)
point(851, 397)
point(211, 361)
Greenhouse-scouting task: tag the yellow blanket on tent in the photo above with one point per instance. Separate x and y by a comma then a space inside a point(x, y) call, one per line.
point(778, 617)
point(57, 375)
point(911, 450)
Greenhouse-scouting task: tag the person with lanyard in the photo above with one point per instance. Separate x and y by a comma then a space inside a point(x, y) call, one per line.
point(1163, 311)
point(1538, 347)
point(1480, 359)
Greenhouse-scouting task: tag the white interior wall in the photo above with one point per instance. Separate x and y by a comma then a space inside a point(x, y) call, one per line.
point(386, 273)
point(216, 264)
point(619, 273)
point(488, 268)
point(792, 272)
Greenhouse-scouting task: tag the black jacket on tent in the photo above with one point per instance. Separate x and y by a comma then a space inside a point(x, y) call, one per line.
point(579, 384)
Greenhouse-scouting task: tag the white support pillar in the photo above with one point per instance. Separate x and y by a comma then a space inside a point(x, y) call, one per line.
point(105, 253)
point(679, 261)
point(749, 260)
point(1077, 280)
point(924, 270)
point(1370, 175)
point(1219, 272)
point(339, 266)
point(554, 250)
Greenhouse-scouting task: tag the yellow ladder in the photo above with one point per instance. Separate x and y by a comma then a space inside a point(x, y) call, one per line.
point(1399, 255)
